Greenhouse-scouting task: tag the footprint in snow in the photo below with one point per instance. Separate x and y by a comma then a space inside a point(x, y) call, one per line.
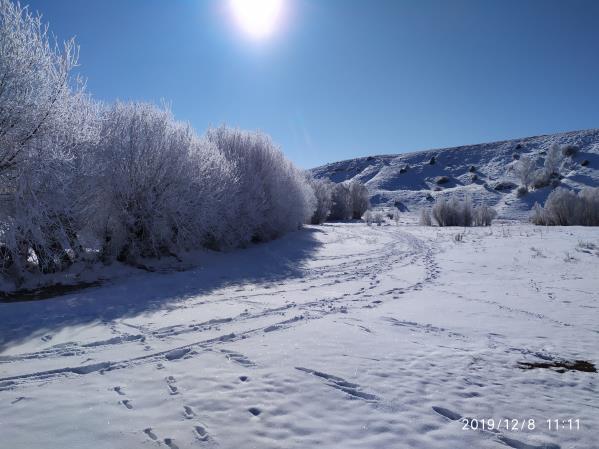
point(150, 434)
point(172, 388)
point(119, 391)
point(127, 403)
point(47, 338)
point(170, 443)
point(201, 433)
point(254, 411)
point(188, 412)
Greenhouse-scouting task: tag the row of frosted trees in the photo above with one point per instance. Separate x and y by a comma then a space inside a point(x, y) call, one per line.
point(81, 180)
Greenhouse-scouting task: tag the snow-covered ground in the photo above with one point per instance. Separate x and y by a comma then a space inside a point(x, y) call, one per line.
point(336, 336)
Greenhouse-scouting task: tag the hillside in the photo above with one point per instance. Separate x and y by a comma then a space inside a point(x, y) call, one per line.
point(409, 181)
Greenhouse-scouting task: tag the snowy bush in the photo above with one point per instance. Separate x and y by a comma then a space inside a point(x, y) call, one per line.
point(45, 121)
point(454, 212)
point(553, 160)
point(484, 215)
point(525, 171)
point(342, 207)
point(425, 217)
point(323, 191)
point(374, 217)
point(567, 208)
point(359, 198)
point(272, 196)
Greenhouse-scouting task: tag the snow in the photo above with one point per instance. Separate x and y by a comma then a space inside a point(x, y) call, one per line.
point(408, 180)
point(338, 336)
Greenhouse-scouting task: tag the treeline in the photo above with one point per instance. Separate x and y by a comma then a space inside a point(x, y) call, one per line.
point(82, 180)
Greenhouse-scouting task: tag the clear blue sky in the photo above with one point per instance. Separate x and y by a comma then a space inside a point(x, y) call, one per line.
point(346, 78)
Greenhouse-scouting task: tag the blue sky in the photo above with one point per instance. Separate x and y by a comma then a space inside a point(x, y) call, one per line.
point(345, 78)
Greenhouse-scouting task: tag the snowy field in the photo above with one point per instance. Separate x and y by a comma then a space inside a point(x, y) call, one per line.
point(336, 336)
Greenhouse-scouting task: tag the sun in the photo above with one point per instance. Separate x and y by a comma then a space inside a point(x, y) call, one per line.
point(257, 18)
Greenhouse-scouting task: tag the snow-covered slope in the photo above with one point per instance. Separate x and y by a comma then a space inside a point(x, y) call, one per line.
point(409, 181)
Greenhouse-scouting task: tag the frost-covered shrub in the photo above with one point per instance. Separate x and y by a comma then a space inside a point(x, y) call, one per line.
point(569, 150)
point(342, 206)
point(425, 217)
point(566, 208)
point(525, 171)
point(455, 212)
point(553, 160)
point(359, 198)
point(45, 120)
point(140, 193)
point(521, 191)
point(272, 196)
point(484, 215)
point(374, 217)
point(323, 191)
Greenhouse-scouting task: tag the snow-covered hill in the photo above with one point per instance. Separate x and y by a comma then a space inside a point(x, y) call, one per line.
point(410, 181)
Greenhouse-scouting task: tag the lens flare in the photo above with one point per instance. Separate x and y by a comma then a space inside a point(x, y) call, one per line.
point(257, 18)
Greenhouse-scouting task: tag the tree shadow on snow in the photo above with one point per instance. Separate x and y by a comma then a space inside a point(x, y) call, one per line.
point(266, 263)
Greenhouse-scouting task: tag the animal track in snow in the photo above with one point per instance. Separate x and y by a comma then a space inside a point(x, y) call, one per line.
point(341, 384)
point(119, 391)
point(127, 403)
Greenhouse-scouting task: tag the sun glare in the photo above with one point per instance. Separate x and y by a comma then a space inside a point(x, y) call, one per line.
point(257, 18)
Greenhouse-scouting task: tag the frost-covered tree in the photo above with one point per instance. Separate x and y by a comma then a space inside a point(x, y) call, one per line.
point(359, 198)
point(342, 206)
point(323, 190)
point(272, 196)
point(139, 191)
point(45, 121)
point(455, 212)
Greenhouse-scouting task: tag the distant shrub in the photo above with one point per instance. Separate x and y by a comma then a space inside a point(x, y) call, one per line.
point(425, 217)
point(472, 169)
point(323, 191)
point(484, 215)
point(454, 212)
point(341, 208)
point(432, 161)
point(515, 156)
point(522, 191)
point(567, 208)
point(440, 180)
point(403, 170)
point(525, 171)
point(359, 199)
point(584, 162)
point(569, 150)
point(374, 217)
point(519, 146)
point(504, 186)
